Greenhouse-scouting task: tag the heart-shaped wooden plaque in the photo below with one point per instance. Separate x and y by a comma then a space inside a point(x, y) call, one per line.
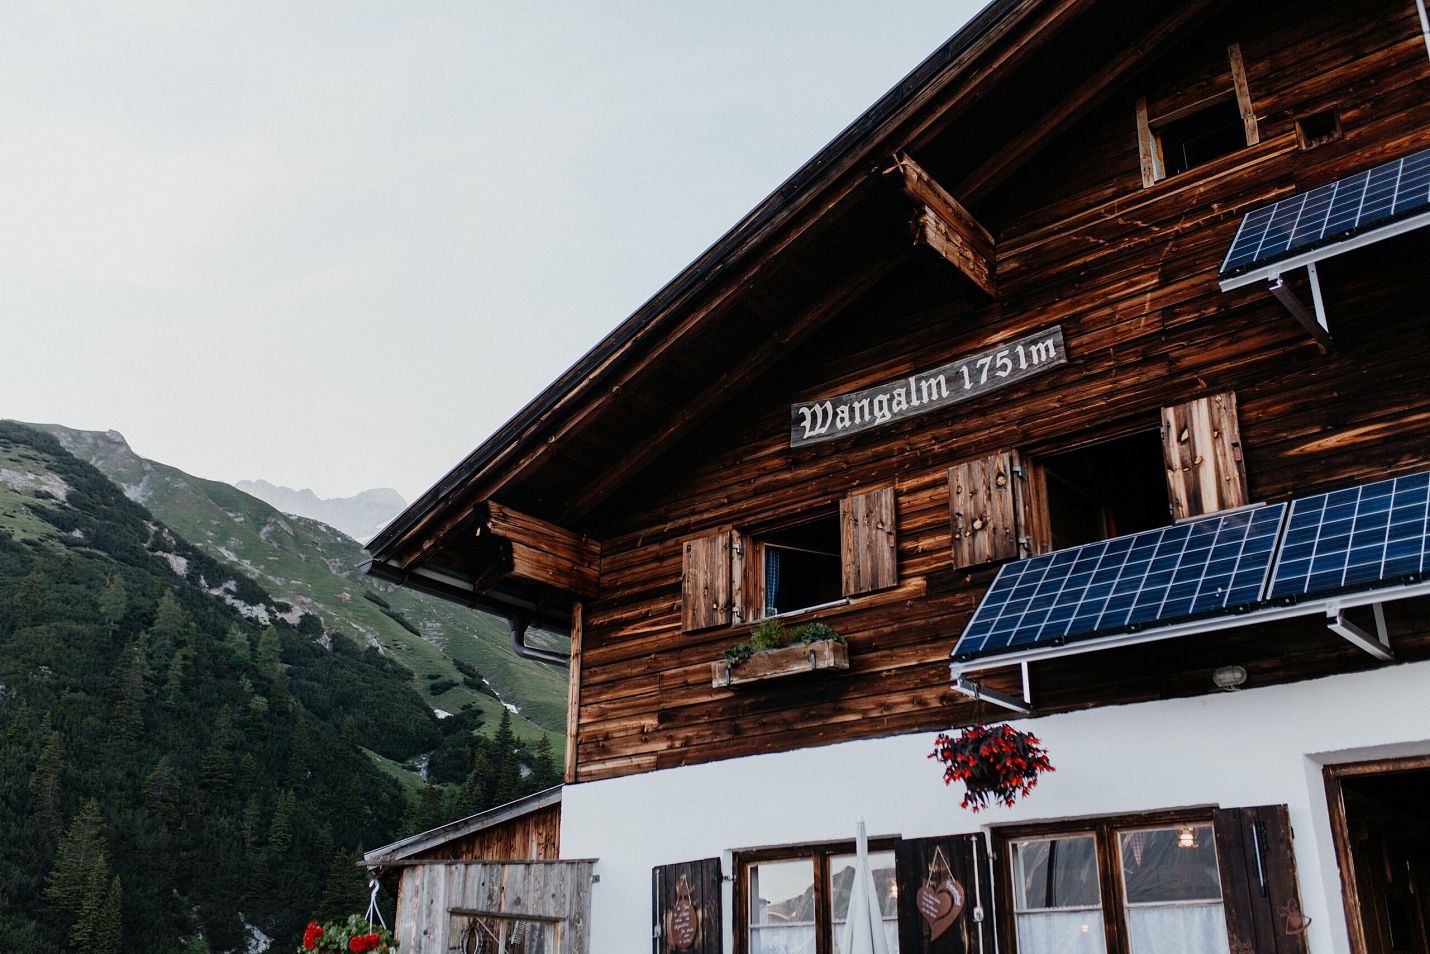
point(940, 906)
point(684, 925)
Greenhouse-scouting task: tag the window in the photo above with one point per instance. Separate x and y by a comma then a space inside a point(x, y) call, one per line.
point(1105, 490)
point(801, 567)
point(797, 901)
point(741, 575)
point(1005, 506)
point(1181, 127)
point(1192, 140)
point(1117, 887)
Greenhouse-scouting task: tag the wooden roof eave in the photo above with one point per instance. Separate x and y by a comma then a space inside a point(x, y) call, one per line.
point(908, 113)
point(462, 827)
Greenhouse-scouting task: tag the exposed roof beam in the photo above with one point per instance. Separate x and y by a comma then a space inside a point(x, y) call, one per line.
point(1011, 156)
point(751, 366)
point(945, 226)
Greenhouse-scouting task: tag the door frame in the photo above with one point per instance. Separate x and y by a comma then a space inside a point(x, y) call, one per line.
point(1340, 832)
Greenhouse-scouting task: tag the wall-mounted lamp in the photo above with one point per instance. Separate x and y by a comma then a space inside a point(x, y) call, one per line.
point(1229, 677)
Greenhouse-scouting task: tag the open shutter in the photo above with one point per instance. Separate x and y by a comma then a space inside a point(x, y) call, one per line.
point(1201, 442)
point(705, 585)
point(869, 542)
point(919, 865)
point(1258, 880)
point(985, 506)
point(685, 903)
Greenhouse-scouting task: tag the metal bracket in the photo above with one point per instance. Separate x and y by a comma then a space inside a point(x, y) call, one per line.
point(975, 691)
point(1314, 324)
point(1377, 645)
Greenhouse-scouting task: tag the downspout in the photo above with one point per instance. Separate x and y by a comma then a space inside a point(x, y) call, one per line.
point(1424, 25)
point(518, 622)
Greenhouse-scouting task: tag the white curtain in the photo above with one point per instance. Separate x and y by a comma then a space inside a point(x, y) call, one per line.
point(1183, 929)
point(782, 940)
point(1062, 932)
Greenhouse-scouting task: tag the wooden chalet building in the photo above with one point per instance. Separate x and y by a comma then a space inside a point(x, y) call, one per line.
point(1083, 377)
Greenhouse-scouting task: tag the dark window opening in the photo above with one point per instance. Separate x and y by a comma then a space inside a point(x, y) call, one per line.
point(1318, 128)
point(802, 566)
point(1204, 135)
point(1106, 490)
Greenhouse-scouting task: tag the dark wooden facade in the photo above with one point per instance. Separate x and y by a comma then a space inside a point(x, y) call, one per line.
point(675, 432)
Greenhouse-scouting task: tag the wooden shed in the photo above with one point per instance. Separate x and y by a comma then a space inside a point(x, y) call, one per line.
point(489, 882)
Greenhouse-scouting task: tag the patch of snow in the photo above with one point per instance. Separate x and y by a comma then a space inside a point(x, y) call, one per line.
point(77, 533)
point(441, 713)
point(514, 710)
point(33, 483)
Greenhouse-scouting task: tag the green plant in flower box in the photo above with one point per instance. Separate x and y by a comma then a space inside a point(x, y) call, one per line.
point(771, 634)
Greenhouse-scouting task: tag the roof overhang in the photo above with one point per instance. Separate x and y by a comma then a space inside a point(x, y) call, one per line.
point(405, 848)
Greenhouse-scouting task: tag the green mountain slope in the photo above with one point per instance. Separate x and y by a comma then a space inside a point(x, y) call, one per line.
point(316, 569)
point(175, 776)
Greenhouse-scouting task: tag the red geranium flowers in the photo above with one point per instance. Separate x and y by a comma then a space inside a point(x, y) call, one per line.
point(995, 763)
point(364, 942)
point(311, 936)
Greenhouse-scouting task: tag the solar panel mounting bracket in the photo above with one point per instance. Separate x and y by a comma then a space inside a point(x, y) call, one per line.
point(1378, 645)
point(1315, 323)
point(977, 692)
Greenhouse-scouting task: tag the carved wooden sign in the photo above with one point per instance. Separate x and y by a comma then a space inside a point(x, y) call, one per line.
point(953, 383)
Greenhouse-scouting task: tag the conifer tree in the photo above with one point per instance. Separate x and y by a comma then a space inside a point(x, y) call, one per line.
point(544, 773)
point(346, 890)
point(28, 605)
point(280, 829)
point(45, 784)
point(113, 601)
point(236, 641)
point(81, 854)
point(180, 665)
point(88, 926)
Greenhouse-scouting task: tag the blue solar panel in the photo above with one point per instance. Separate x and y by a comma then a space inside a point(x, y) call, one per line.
point(1216, 565)
point(1331, 213)
point(1356, 538)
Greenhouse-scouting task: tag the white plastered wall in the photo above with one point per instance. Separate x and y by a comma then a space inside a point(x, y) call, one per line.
point(1253, 747)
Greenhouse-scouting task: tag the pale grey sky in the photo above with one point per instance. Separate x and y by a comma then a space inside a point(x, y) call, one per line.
point(335, 245)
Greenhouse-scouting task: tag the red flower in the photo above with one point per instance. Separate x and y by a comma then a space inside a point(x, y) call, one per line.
point(358, 945)
point(310, 936)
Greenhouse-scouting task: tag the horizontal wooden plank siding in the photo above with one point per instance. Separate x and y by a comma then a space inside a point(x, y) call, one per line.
point(1128, 271)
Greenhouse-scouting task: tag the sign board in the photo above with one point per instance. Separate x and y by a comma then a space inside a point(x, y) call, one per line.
point(953, 383)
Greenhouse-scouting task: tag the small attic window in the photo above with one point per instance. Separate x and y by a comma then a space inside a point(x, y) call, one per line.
point(1193, 140)
point(1180, 128)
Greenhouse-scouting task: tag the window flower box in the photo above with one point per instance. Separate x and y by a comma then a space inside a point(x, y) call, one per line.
point(771, 654)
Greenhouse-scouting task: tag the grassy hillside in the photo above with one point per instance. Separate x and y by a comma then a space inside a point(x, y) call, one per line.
point(316, 569)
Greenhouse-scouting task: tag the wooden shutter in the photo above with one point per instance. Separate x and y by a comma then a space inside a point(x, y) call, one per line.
point(699, 881)
point(986, 509)
point(1201, 442)
point(1258, 880)
point(705, 585)
point(969, 860)
point(869, 542)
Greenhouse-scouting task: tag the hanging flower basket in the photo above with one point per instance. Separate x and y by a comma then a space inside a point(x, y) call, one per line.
point(356, 935)
point(995, 763)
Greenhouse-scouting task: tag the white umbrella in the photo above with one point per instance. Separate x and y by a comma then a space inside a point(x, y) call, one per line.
point(864, 931)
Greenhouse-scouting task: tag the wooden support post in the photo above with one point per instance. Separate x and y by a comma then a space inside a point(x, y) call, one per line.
point(945, 226)
point(573, 694)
